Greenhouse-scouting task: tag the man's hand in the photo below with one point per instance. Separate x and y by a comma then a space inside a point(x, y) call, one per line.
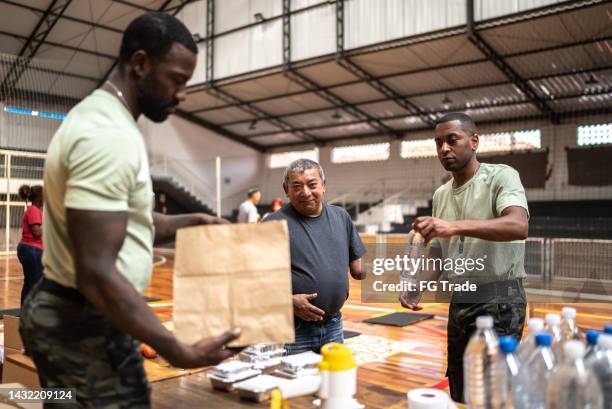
point(410, 300)
point(208, 219)
point(431, 227)
point(304, 309)
point(206, 352)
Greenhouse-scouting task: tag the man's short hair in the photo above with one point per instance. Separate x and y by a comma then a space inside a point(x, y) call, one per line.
point(154, 33)
point(467, 123)
point(251, 192)
point(300, 166)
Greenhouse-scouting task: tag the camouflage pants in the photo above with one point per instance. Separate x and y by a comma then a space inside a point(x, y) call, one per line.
point(508, 314)
point(74, 346)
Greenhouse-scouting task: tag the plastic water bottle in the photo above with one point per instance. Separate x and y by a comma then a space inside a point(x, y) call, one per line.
point(591, 337)
point(553, 327)
point(480, 364)
point(534, 375)
point(509, 371)
point(572, 385)
point(528, 345)
point(569, 329)
point(600, 362)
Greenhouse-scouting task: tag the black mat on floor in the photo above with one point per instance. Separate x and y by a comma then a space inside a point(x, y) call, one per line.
point(399, 319)
point(351, 334)
point(15, 311)
point(11, 311)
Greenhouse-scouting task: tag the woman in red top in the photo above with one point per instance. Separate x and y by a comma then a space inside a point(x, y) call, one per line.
point(30, 248)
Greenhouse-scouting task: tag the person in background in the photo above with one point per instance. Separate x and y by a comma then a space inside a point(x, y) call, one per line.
point(247, 213)
point(277, 204)
point(30, 248)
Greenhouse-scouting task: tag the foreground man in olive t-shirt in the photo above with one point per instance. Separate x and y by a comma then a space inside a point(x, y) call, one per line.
point(81, 323)
point(480, 214)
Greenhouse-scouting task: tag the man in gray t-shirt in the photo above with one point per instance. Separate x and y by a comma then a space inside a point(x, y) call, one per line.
point(325, 246)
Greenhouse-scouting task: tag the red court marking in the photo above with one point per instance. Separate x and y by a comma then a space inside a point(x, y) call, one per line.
point(434, 331)
point(441, 385)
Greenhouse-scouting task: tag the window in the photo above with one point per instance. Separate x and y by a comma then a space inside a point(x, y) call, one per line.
point(361, 153)
point(600, 134)
point(494, 142)
point(283, 159)
point(510, 141)
point(30, 112)
point(420, 148)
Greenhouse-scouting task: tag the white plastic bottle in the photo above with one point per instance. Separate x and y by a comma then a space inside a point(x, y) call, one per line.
point(509, 368)
point(480, 363)
point(534, 375)
point(591, 337)
point(572, 385)
point(553, 327)
point(600, 362)
point(528, 345)
point(569, 329)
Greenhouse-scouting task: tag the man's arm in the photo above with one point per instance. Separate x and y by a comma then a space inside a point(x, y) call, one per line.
point(355, 268)
point(511, 225)
point(167, 225)
point(109, 291)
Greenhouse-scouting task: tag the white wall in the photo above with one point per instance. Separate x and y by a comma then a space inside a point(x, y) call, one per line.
point(421, 176)
point(190, 150)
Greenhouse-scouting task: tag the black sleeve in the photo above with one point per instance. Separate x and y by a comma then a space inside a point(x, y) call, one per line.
point(356, 247)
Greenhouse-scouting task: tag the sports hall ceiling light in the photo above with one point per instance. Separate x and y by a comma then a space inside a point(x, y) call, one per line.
point(253, 125)
point(259, 17)
point(336, 115)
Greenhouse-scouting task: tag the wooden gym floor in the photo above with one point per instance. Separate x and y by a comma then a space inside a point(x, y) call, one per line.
point(416, 353)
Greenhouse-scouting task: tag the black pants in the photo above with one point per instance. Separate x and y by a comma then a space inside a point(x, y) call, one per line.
point(30, 258)
point(508, 312)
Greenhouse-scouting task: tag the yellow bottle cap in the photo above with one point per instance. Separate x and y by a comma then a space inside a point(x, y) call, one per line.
point(336, 357)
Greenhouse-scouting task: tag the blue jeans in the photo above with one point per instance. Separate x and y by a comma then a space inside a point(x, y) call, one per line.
point(311, 335)
point(30, 258)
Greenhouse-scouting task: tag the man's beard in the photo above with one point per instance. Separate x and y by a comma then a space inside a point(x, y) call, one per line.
point(151, 104)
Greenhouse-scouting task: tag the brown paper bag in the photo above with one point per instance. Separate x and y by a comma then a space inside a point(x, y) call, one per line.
point(234, 276)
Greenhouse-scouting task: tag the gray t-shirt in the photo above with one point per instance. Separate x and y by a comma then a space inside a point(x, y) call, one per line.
point(321, 249)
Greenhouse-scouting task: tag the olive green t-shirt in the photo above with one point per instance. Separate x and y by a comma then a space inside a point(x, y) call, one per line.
point(97, 161)
point(492, 189)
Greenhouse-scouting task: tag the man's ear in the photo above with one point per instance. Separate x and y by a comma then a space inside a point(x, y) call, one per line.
point(140, 63)
point(474, 140)
point(324, 185)
point(285, 189)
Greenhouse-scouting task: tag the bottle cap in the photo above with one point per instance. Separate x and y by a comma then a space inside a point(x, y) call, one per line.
point(573, 349)
point(507, 344)
point(535, 325)
point(608, 328)
point(553, 319)
point(484, 322)
point(543, 339)
point(568, 312)
point(592, 336)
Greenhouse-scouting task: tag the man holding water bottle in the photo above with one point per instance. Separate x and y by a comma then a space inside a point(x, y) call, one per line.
point(481, 213)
